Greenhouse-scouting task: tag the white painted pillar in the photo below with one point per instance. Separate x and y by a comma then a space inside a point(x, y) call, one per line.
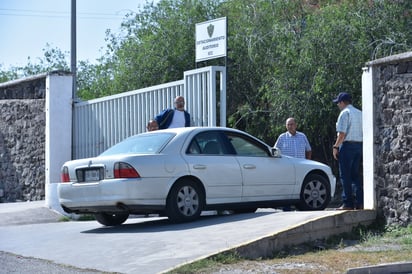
point(368, 138)
point(223, 117)
point(58, 132)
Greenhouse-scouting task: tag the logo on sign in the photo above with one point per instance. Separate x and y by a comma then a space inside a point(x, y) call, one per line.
point(210, 30)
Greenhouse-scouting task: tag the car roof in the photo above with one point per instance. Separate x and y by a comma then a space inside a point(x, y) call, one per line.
point(192, 129)
point(183, 132)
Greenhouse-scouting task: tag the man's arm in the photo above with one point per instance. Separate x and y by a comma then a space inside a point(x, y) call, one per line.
point(162, 118)
point(279, 141)
point(339, 141)
point(308, 148)
point(188, 120)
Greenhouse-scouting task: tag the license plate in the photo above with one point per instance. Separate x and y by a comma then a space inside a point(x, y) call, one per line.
point(91, 175)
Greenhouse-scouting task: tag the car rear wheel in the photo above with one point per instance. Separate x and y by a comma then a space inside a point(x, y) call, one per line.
point(315, 193)
point(185, 202)
point(111, 219)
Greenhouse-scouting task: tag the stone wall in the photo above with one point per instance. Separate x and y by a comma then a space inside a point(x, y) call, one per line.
point(393, 146)
point(22, 140)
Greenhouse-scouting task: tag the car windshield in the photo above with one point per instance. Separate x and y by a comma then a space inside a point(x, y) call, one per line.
point(140, 144)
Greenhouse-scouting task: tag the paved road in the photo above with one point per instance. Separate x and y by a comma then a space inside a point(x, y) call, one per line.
point(144, 245)
point(33, 240)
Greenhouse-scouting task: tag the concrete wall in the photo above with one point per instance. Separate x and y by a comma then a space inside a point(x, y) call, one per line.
point(22, 146)
point(22, 140)
point(35, 126)
point(387, 110)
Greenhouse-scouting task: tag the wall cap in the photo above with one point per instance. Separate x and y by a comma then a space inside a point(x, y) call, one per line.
point(34, 77)
point(393, 59)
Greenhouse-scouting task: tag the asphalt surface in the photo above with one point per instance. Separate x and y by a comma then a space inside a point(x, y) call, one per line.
point(34, 240)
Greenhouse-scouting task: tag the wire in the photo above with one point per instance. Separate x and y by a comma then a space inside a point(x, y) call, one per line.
point(60, 14)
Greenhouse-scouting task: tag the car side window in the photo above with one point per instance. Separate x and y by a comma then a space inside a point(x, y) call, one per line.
point(208, 143)
point(194, 148)
point(247, 147)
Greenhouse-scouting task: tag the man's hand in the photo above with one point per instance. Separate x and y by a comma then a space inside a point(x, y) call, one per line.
point(339, 140)
point(336, 153)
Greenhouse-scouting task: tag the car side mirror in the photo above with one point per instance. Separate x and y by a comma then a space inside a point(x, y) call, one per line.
point(276, 152)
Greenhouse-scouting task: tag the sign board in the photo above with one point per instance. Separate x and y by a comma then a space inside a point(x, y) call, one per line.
point(211, 39)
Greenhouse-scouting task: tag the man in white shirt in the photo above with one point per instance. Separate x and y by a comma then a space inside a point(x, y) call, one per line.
point(173, 118)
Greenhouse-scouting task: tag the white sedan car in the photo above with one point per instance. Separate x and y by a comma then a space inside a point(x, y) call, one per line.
point(181, 172)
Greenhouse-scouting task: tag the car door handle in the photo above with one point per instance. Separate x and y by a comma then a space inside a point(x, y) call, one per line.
point(249, 166)
point(199, 166)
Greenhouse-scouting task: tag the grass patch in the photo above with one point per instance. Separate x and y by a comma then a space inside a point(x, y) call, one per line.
point(372, 245)
point(229, 257)
point(64, 219)
point(82, 217)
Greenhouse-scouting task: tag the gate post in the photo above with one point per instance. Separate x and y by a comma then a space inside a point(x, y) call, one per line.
point(58, 148)
point(369, 196)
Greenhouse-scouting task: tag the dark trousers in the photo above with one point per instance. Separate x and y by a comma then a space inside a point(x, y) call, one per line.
point(350, 154)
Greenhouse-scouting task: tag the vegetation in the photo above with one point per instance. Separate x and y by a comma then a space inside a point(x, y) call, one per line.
point(82, 217)
point(285, 58)
point(364, 246)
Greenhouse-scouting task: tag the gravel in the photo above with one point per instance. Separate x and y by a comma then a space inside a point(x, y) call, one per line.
point(11, 263)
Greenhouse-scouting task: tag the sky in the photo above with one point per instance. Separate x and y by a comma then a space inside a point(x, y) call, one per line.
point(27, 26)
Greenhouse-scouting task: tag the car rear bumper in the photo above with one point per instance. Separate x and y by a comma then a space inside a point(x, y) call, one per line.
point(119, 207)
point(116, 195)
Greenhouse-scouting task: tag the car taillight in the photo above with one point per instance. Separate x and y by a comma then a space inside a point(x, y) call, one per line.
point(124, 170)
point(65, 175)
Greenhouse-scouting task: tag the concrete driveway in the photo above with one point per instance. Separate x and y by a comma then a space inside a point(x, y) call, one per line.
point(153, 245)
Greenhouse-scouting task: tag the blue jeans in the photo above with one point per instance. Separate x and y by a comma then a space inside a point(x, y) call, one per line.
point(350, 155)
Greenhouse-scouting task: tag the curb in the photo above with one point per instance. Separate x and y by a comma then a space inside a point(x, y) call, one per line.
point(321, 228)
point(405, 267)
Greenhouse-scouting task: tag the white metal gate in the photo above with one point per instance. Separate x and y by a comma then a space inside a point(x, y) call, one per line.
point(101, 123)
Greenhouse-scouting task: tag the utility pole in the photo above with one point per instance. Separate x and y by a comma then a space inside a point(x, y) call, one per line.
point(73, 50)
point(73, 67)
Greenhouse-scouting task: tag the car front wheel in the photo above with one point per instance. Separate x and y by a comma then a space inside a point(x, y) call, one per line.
point(315, 193)
point(185, 202)
point(111, 219)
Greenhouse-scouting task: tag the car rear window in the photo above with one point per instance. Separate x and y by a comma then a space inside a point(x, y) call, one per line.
point(140, 144)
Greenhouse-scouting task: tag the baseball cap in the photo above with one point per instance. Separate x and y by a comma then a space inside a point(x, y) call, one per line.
point(343, 96)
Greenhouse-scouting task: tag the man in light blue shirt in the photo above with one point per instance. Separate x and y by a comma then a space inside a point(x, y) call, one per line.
point(347, 150)
point(294, 143)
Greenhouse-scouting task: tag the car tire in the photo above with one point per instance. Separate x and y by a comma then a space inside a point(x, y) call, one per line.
point(315, 193)
point(111, 219)
point(185, 202)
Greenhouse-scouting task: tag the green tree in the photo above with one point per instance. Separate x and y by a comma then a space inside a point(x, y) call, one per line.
point(54, 59)
point(307, 53)
point(157, 46)
point(7, 74)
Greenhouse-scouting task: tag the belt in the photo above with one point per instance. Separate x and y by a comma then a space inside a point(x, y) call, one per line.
point(352, 142)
